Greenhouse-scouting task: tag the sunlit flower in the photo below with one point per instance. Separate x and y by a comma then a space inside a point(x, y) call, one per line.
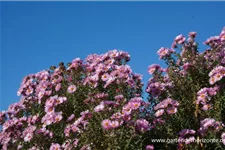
point(171, 110)
point(55, 146)
point(99, 107)
point(106, 124)
point(105, 77)
point(149, 147)
point(72, 89)
point(159, 112)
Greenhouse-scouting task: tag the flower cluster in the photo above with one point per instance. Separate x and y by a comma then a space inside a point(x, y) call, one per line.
point(216, 74)
point(165, 52)
point(186, 136)
point(168, 104)
point(157, 87)
point(125, 116)
point(210, 124)
point(204, 97)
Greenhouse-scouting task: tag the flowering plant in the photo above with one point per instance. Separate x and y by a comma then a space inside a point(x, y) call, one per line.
point(98, 103)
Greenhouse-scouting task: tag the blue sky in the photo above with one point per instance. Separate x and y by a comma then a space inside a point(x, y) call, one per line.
point(36, 35)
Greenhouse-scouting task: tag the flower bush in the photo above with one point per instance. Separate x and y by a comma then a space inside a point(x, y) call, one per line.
point(98, 103)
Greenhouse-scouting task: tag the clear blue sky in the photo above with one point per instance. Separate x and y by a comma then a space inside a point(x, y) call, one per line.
point(36, 35)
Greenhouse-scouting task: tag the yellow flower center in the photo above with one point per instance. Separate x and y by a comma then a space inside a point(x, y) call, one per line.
point(218, 76)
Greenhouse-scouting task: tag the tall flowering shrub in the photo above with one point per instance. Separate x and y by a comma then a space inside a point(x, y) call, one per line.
point(98, 103)
point(84, 105)
point(188, 96)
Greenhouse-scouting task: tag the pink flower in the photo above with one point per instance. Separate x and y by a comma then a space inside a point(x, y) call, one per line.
point(142, 124)
point(109, 81)
point(55, 146)
point(222, 35)
point(106, 124)
point(99, 108)
point(180, 39)
point(159, 112)
point(135, 105)
point(153, 68)
point(75, 128)
point(58, 86)
point(171, 110)
point(67, 130)
point(126, 110)
point(223, 138)
point(60, 100)
point(149, 147)
point(192, 34)
point(72, 89)
point(206, 107)
point(105, 77)
point(114, 53)
point(164, 52)
point(58, 117)
point(19, 147)
point(70, 118)
point(206, 123)
point(29, 91)
point(114, 124)
point(49, 110)
point(110, 61)
point(28, 137)
point(186, 131)
point(186, 66)
point(189, 140)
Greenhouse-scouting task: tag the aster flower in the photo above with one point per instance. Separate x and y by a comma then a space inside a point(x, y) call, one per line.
point(114, 124)
point(206, 107)
point(142, 125)
point(29, 91)
point(223, 138)
point(72, 89)
point(159, 112)
point(134, 105)
point(186, 66)
point(180, 39)
point(110, 61)
point(189, 140)
point(55, 146)
point(183, 139)
point(99, 107)
point(58, 117)
point(71, 117)
point(28, 137)
point(192, 34)
point(209, 124)
point(58, 86)
point(109, 81)
point(106, 124)
point(153, 68)
point(105, 77)
point(49, 110)
point(114, 53)
point(171, 110)
point(206, 123)
point(149, 147)
point(222, 35)
point(186, 131)
point(60, 100)
point(164, 52)
point(74, 128)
